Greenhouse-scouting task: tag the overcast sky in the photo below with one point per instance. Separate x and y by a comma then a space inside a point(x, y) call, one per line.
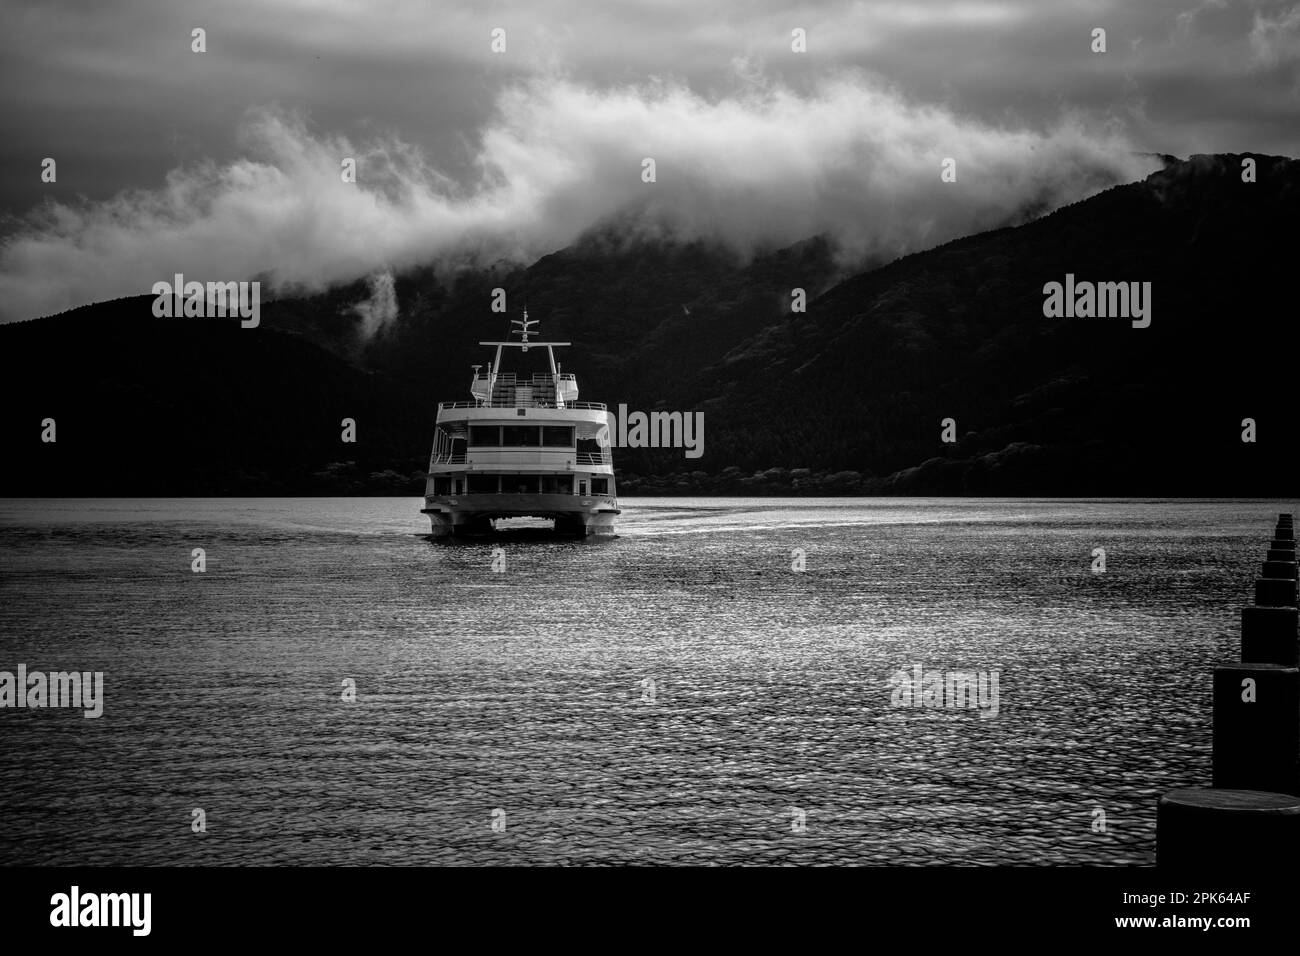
point(225, 163)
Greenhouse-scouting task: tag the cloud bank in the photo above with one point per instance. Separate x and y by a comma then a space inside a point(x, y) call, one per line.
point(765, 166)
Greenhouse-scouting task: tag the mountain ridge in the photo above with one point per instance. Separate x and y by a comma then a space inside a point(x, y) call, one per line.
point(847, 397)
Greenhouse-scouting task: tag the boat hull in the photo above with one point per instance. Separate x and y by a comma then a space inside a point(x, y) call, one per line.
point(472, 515)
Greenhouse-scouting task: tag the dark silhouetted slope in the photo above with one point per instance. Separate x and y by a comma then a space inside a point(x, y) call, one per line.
point(845, 398)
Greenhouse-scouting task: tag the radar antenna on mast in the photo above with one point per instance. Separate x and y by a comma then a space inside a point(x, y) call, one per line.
point(525, 327)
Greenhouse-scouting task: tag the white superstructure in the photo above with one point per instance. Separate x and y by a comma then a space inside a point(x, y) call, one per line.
point(524, 446)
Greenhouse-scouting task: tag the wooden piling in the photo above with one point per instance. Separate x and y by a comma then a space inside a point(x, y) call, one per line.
point(1256, 734)
point(1269, 635)
point(1253, 810)
point(1221, 829)
point(1280, 569)
point(1275, 592)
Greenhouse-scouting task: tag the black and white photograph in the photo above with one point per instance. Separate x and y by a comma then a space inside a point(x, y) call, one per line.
point(851, 442)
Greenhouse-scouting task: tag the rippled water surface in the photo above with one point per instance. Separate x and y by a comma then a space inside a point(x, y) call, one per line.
point(529, 691)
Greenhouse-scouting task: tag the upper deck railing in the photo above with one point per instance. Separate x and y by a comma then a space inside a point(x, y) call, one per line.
point(581, 457)
point(537, 378)
point(529, 403)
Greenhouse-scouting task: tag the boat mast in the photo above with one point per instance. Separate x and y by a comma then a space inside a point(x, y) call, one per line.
point(525, 330)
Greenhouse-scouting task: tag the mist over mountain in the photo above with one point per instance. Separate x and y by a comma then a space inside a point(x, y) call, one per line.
point(759, 163)
point(847, 397)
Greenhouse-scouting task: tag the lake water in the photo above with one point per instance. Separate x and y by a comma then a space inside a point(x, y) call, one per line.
point(678, 694)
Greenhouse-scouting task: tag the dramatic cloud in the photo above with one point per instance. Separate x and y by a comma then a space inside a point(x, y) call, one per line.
point(1276, 39)
point(851, 159)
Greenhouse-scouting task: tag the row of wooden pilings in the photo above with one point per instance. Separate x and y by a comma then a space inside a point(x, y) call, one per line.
point(1249, 820)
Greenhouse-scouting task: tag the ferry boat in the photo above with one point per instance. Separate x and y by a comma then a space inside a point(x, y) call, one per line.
point(524, 447)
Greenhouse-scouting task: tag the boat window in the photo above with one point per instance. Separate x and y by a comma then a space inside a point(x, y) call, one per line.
point(481, 436)
point(520, 436)
point(557, 436)
point(564, 485)
point(599, 486)
point(482, 484)
point(520, 484)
